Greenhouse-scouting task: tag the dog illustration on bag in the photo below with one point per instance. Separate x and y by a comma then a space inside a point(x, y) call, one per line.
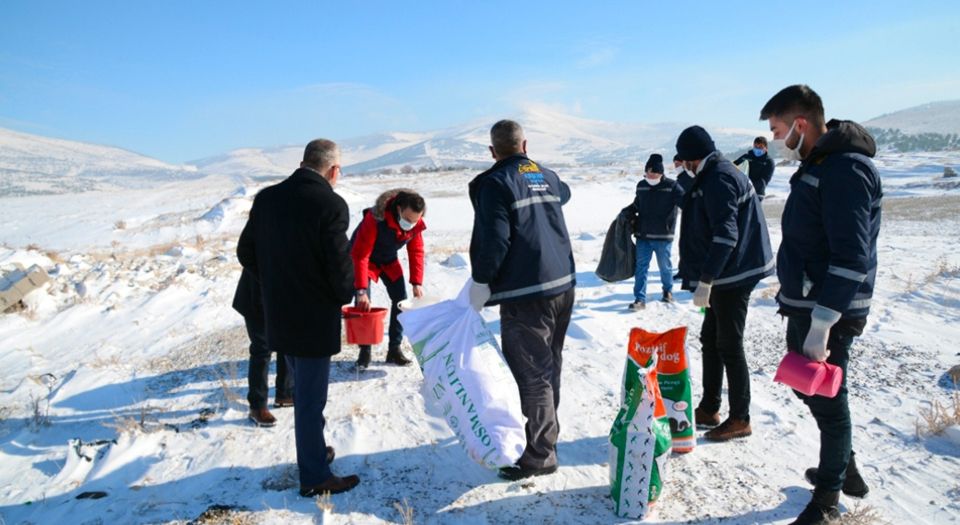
point(677, 412)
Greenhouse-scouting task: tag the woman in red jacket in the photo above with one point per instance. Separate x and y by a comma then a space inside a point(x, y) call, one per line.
point(395, 221)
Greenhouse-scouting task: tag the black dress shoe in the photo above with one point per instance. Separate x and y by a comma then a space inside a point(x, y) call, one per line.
point(516, 472)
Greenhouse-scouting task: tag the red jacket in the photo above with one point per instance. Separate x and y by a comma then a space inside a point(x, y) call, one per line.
point(376, 243)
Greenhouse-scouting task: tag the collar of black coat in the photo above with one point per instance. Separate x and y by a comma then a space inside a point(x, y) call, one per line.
point(843, 136)
point(311, 175)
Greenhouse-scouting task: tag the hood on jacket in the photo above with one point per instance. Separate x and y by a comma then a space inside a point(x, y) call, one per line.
point(845, 136)
point(380, 206)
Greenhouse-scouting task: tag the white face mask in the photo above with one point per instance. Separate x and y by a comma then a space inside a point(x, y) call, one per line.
point(405, 225)
point(653, 182)
point(790, 154)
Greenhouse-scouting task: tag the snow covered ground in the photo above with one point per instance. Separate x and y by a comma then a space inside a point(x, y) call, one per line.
point(126, 374)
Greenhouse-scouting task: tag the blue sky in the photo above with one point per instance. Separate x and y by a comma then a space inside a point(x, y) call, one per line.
point(181, 80)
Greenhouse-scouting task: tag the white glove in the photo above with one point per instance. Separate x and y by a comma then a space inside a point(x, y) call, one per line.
point(701, 296)
point(479, 295)
point(815, 344)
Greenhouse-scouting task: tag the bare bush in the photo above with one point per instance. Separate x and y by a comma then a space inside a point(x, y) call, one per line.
point(325, 503)
point(120, 225)
point(39, 412)
point(939, 417)
point(863, 515)
point(405, 510)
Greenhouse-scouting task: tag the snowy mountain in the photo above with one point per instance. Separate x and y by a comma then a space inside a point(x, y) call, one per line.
point(930, 127)
point(32, 164)
point(553, 137)
point(935, 117)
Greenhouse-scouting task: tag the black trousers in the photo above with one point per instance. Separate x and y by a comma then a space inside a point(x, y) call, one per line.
point(312, 382)
point(397, 291)
point(259, 369)
point(533, 333)
point(721, 339)
point(832, 414)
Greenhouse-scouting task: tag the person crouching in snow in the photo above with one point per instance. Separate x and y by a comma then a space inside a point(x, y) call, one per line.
point(395, 221)
point(654, 212)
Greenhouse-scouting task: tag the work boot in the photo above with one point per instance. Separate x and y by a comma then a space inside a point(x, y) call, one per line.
point(363, 360)
point(395, 356)
point(705, 420)
point(667, 297)
point(332, 485)
point(853, 485)
point(730, 429)
point(823, 509)
point(262, 417)
point(282, 402)
point(636, 306)
point(330, 455)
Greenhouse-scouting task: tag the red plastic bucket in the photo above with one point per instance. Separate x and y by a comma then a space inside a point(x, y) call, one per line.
point(364, 328)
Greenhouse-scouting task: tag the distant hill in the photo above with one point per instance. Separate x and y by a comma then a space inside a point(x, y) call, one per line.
point(928, 127)
point(36, 165)
point(555, 138)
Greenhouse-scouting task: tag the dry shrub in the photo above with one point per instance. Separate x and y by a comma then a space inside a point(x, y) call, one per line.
point(224, 515)
point(405, 510)
point(120, 225)
point(33, 247)
point(862, 515)
point(227, 376)
point(325, 503)
point(939, 417)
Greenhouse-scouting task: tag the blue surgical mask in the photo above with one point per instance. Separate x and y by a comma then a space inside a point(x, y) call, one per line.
point(758, 152)
point(405, 225)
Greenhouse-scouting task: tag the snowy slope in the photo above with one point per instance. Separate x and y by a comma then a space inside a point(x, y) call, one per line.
point(32, 164)
point(553, 138)
point(936, 117)
point(126, 374)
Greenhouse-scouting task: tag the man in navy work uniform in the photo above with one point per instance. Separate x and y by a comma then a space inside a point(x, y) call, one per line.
point(522, 260)
point(724, 252)
point(827, 265)
point(295, 245)
point(654, 211)
point(761, 166)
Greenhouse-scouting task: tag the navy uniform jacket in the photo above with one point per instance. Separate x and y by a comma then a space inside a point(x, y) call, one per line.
point(830, 223)
point(655, 209)
point(723, 233)
point(760, 172)
point(520, 245)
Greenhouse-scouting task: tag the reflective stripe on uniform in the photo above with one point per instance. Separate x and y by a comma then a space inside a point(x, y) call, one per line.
point(748, 273)
point(856, 304)
point(728, 242)
point(535, 200)
point(847, 274)
point(542, 287)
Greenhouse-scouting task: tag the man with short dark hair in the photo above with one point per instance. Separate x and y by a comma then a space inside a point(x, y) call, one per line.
point(521, 259)
point(724, 252)
point(827, 266)
point(295, 245)
point(761, 166)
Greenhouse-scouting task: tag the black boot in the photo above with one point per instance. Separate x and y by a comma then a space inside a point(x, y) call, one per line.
point(363, 360)
point(823, 509)
point(395, 356)
point(853, 485)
